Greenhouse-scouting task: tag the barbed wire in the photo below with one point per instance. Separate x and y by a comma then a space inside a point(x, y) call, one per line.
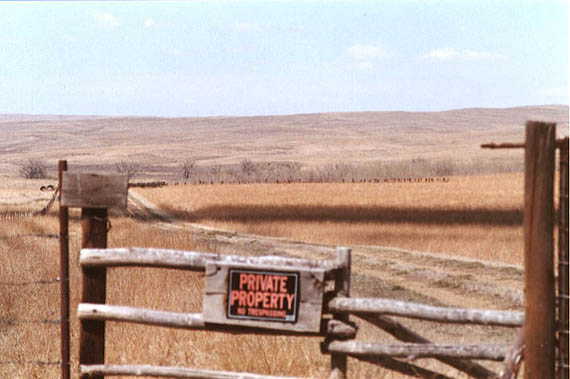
point(13, 321)
point(41, 363)
point(41, 281)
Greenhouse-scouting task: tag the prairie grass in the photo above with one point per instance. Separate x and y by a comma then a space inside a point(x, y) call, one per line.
point(28, 259)
point(475, 216)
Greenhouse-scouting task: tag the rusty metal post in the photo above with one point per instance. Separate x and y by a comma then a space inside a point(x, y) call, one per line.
point(94, 223)
point(64, 277)
point(538, 250)
point(563, 369)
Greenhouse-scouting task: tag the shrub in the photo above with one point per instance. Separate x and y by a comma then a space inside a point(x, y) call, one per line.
point(33, 169)
point(188, 168)
point(130, 169)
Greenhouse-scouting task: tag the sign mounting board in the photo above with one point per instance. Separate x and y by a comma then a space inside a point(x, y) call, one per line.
point(94, 191)
point(282, 298)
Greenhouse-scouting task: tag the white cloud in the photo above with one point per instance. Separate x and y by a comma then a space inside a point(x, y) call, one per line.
point(149, 23)
point(448, 54)
point(176, 52)
point(363, 57)
point(365, 52)
point(246, 27)
point(363, 66)
point(107, 20)
point(554, 92)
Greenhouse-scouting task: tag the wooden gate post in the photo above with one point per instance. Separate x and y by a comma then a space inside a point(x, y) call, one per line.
point(64, 277)
point(339, 362)
point(538, 250)
point(563, 290)
point(94, 223)
point(94, 194)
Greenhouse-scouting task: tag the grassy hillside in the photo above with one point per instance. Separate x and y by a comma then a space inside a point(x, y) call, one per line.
point(161, 144)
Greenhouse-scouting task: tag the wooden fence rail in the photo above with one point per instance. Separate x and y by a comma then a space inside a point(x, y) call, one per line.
point(404, 334)
point(189, 260)
point(419, 350)
point(195, 321)
point(169, 372)
point(426, 312)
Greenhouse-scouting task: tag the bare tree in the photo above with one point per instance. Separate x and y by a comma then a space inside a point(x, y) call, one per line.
point(188, 168)
point(216, 173)
point(130, 169)
point(33, 169)
point(247, 167)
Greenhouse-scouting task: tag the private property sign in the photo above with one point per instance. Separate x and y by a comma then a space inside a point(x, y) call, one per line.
point(282, 298)
point(263, 295)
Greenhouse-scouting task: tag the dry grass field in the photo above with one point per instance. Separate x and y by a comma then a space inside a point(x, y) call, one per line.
point(475, 217)
point(456, 243)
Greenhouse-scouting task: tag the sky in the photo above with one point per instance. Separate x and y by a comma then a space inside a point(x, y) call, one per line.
point(232, 58)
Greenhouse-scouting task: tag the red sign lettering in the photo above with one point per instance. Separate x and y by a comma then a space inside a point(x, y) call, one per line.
point(262, 295)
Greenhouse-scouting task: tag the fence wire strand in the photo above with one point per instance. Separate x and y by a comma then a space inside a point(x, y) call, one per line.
point(14, 321)
point(49, 281)
point(44, 281)
point(39, 363)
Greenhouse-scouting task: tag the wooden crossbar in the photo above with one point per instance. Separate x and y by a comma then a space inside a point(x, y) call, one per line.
point(404, 334)
point(195, 321)
point(560, 143)
point(168, 371)
point(419, 350)
point(188, 260)
point(426, 312)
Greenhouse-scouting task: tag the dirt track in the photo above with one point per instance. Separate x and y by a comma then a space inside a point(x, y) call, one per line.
point(387, 272)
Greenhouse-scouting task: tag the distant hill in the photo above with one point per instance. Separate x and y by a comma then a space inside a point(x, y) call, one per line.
point(311, 139)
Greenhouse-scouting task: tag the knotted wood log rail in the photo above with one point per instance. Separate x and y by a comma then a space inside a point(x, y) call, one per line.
point(418, 350)
point(188, 260)
point(168, 371)
point(105, 312)
point(404, 334)
point(426, 312)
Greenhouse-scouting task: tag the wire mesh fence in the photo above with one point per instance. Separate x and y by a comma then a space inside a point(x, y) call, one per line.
point(17, 326)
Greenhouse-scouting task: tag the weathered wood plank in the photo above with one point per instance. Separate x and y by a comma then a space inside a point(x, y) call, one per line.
point(191, 260)
point(105, 312)
point(406, 335)
point(413, 351)
point(170, 372)
point(426, 312)
point(195, 321)
point(163, 258)
point(94, 191)
point(291, 300)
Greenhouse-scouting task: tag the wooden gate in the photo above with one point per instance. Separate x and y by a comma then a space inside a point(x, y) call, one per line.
point(327, 310)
